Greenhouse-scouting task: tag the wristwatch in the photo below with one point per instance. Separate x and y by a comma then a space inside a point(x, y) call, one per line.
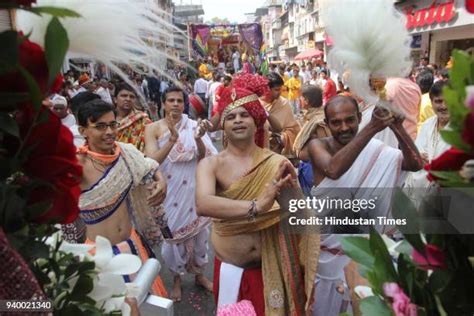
point(252, 213)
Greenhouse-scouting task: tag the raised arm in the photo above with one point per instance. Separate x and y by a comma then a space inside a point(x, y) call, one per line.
point(334, 166)
point(412, 160)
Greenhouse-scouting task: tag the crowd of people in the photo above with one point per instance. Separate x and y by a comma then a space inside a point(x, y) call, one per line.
point(154, 180)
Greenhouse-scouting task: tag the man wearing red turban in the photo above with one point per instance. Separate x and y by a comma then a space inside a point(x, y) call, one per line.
point(255, 260)
point(245, 91)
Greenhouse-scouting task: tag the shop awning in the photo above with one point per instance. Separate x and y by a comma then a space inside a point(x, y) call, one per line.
point(308, 54)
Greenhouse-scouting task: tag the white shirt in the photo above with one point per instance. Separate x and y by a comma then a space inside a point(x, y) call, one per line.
point(200, 86)
point(70, 122)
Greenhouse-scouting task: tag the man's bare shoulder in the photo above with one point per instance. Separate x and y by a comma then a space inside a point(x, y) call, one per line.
point(156, 127)
point(320, 143)
point(215, 160)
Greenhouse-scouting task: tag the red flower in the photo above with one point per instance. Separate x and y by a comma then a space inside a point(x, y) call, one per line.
point(25, 3)
point(32, 58)
point(468, 132)
point(470, 6)
point(432, 258)
point(53, 160)
point(451, 160)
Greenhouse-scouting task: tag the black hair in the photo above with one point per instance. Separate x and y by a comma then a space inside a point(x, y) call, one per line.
point(425, 80)
point(123, 86)
point(228, 78)
point(338, 99)
point(230, 70)
point(425, 59)
point(437, 88)
point(313, 94)
point(93, 111)
point(324, 70)
point(444, 73)
point(172, 89)
point(79, 99)
point(274, 80)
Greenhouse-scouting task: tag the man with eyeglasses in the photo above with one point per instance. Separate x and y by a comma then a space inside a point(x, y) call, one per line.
point(132, 121)
point(122, 191)
point(177, 143)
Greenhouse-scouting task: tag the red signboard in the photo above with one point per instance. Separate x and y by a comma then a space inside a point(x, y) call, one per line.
point(436, 13)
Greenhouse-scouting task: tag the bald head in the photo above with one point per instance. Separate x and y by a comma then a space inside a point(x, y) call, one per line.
point(337, 101)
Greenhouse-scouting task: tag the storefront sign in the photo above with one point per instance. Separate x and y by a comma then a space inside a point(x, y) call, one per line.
point(435, 14)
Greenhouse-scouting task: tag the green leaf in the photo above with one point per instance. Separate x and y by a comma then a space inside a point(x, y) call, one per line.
point(460, 70)
point(439, 280)
point(55, 11)
point(406, 270)
point(56, 43)
point(9, 51)
point(13, 98)
point(35, 250)
point(447, 175)
point(455, 104)
point(358, 248)
point(404, 248)
point(383, 264)
point(374, 306)
point(403, 208)
point(34, 89)
point(454, 138)
point(8, 124)
point(84, 285)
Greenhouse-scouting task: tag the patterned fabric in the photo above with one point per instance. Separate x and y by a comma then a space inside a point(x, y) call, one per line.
point(16, 281)
point(130, 172)
point(244, 307)
point(187, 251)
point(132, 129)
point(135, 246)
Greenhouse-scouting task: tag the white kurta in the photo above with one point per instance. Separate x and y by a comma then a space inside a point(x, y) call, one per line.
point(187, 252)
point(377, 167)
point(429, 142)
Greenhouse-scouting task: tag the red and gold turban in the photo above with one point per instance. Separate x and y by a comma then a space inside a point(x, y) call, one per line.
point(245, 91)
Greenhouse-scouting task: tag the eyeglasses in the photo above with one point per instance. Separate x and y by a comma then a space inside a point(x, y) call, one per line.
point(103, 126)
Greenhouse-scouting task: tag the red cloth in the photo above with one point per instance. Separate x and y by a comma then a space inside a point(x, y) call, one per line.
point(251, 287)
point(244, 85)
point(330, 90)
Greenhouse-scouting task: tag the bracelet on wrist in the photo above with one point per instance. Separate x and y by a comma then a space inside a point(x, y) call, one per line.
point(252, 213)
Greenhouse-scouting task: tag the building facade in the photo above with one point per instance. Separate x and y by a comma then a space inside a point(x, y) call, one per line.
point(438, 27)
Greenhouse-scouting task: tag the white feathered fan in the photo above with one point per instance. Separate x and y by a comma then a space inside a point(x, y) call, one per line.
point(109, 31)
point(370, 41)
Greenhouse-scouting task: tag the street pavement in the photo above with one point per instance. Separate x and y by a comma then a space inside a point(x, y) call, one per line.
point(195, 300)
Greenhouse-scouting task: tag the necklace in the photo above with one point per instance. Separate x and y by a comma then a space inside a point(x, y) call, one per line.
point(97, 164)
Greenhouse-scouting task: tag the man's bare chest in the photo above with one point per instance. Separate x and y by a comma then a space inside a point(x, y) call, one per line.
point(92, 172)
point(231, 171)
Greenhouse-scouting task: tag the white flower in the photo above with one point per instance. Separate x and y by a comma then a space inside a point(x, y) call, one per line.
point(109, 287)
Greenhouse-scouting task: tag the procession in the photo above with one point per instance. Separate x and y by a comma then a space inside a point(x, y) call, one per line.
point(289, 157)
